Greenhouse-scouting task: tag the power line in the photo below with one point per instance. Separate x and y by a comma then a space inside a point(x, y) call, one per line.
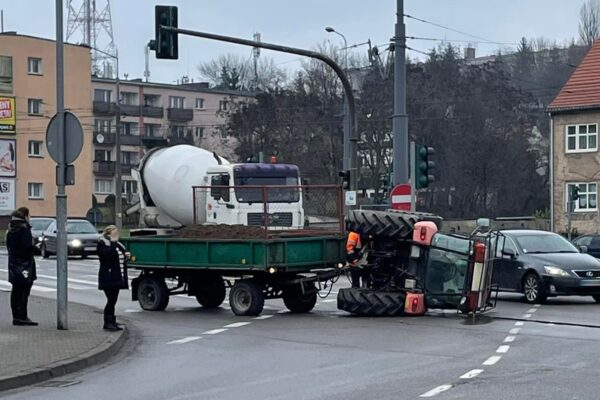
point(453, 30)
point(454, 40)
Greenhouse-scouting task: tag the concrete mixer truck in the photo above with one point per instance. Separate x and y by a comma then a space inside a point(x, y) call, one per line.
point(184, 185)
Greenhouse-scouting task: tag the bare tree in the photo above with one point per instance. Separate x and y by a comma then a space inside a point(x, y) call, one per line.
point(589, 22)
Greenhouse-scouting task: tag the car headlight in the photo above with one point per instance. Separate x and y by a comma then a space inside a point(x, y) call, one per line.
point(555, 271)
point(75, 242)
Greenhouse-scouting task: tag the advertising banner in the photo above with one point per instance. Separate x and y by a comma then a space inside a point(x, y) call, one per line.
point(7, 196)
point(8, 119)
point(8, 158)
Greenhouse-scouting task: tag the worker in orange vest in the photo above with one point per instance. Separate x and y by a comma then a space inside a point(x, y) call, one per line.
point(354, 247)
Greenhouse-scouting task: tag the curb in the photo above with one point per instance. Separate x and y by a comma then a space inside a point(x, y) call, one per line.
point(95, 356)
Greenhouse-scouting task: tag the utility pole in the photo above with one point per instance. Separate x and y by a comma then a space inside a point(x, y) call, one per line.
point(255, 56)
point(118, 184)
point(61, 195)
point(400, 119)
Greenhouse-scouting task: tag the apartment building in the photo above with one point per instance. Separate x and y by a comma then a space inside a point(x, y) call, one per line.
point(27, 102)
point(154, 114)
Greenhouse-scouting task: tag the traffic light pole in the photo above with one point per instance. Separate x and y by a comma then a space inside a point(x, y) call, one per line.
point(353, 132)
point(413, 176)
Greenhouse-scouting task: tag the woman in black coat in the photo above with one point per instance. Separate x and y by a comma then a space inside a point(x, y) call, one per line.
point(110, 277)
point(21, 265)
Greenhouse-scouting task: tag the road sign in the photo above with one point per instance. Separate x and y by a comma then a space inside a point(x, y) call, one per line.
point(351, 198)
point(400, 197)
point(73, 138)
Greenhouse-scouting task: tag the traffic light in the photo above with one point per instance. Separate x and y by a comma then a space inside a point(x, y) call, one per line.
point(166, 44)
point(345, 175)
point(423, 166)
point(574, 195)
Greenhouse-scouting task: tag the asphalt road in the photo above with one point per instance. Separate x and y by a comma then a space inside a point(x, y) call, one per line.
point(516, 351)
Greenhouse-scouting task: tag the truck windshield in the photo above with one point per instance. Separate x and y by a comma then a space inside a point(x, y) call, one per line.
point(274, 194)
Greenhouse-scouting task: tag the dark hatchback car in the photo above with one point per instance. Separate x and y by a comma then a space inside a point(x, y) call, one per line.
point(591, 243)
point(38, 226)
point(82, 239)
point(543, 264)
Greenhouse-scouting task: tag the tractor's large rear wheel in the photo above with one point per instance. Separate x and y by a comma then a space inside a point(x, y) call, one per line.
point(391, 225)
point(369, 302)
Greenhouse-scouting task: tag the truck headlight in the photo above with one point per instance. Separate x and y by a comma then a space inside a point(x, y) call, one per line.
point(75, 243)
point(555, 271)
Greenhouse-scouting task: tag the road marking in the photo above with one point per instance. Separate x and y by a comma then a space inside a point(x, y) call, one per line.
point(509, 339)
point(42, 289)
point(471, 374)
point(237, 325)
point(532, 310)
point(514, 331)
point(70, 280)
point(503, 349)
point(329, 301)
point(519, 323)
point(492, 360)
point(537, 305)
point(185, 340)
point(132, 310)
point(264, 317)
point(214, 331)
point(527, 316)
point(436, 391)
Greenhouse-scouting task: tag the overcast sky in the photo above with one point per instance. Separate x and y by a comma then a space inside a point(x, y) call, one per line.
point(301, 24)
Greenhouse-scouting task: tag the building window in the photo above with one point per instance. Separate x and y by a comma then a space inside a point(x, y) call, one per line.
point(104, 186)
point(34, 106)
point(102, 95)
point(199, 132)
point(102, 125)
point(130, 129)
point(582, 138)
point(129, 98)
point(129, 187)
point(6, 75)
point(34, 66)
point(35, 190)
point(34, 148)
point(588, 195)
point(103, 155)
point(223, 105)
point(129, 158)
point(200, 104)
point(176, 102)
point(152, 130)
point(178, 131)
point(152, 100)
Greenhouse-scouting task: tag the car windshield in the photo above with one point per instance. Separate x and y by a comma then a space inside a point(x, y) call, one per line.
point(40, 224)
point(536, 243)
point(80, 227)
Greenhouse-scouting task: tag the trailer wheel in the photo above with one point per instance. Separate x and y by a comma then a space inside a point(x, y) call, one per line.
point(153, 294)
point(296, 301)
point(391, 225)
point(209, 290)
point(246, 298)
point(371, 303)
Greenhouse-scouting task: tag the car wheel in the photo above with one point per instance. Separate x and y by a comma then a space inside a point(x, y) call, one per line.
point(44, 251)
point(597, 298)
point(533, 289)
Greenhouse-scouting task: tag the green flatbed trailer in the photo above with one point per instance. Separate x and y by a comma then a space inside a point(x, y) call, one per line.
point(288, 267)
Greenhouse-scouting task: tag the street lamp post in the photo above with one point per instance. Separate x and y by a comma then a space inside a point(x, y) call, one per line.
point(347, 123)
point(118, 183)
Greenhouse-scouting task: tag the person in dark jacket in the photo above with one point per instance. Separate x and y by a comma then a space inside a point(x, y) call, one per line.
point(110, 277)
point(21, 265)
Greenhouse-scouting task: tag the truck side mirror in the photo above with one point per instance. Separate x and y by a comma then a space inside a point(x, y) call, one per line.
point(583, 249)
point(230, 206)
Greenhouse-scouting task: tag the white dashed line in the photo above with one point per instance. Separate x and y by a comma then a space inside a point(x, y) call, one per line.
point(519, 323)
point(503, 349)
point(514, 331)
point(436, 391)
point(214, 331)
point(264, 317)
point(537, 305)
point(527, 316)
point(237, 325)
point(509, 339)
point(185, 340)
point(532, 310)
point(471, 374)
point(133, 310)
point(492, 360)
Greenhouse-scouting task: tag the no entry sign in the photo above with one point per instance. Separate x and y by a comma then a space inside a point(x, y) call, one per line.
point(400, 197)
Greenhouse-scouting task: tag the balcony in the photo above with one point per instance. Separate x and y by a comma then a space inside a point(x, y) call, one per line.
point(175, 140)
point(180, 114)
point(104, 168)
point(130, 140)
point(129, 110)
point(151, 142)
point(126, 168)
point(153, 112)
point(104, 138)
point(104, 108)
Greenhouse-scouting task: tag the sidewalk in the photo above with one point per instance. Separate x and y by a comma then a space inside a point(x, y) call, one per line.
point(32, 354)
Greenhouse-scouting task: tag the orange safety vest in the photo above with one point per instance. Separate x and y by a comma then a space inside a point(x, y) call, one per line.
point(353, 243)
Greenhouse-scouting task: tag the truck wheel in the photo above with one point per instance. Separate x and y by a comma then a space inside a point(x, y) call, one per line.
point(391, 225)
point(246, 298)
point(297, 302)
point(370, 302)
point(209, 290)
point(153, 294)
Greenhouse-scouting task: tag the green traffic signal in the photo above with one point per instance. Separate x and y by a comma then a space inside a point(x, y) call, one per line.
point(166, 44)
point(423, 166)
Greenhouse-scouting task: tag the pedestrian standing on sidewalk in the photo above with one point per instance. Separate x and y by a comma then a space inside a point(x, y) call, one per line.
point(110, 277)
point(21, 265)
